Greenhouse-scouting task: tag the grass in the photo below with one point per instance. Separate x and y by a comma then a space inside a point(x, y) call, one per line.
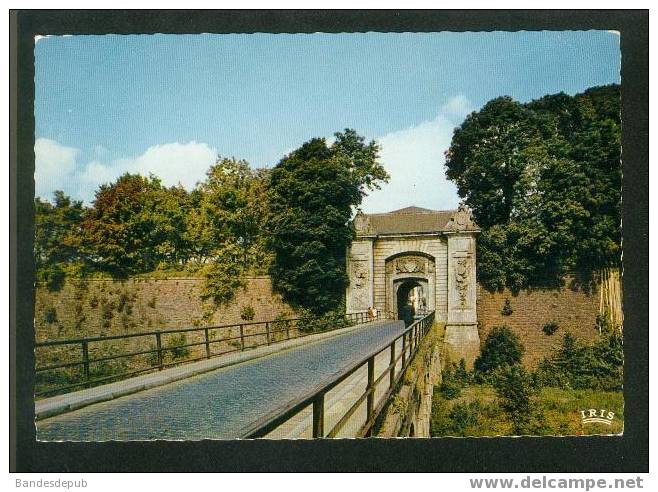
point(556, 412)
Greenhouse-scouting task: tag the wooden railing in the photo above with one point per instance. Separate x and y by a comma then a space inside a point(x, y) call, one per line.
point(238, 337)
point(411, 338)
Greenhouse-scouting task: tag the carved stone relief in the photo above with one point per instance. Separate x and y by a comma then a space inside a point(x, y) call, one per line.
point(462, 220)
point(362, 224)
point(408, 264)
point(360, 283)
point(462, 267)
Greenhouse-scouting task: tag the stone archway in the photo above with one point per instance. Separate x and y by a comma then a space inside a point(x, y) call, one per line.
point(432, 251)
point(407, 271)
point(411, 297)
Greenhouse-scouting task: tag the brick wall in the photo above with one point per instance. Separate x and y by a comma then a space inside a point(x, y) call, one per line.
point(94, 307)
point(574, 311)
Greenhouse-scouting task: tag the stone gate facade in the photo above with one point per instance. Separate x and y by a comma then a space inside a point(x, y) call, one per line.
point(427, 253)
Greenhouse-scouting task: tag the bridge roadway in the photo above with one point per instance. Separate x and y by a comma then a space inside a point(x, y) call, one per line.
point(221, 403)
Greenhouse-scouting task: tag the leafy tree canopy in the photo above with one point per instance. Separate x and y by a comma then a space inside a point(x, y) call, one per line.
point(292, 221)
point(313, 192)
point(56, 245)
point(544, 182)
point(134, 225)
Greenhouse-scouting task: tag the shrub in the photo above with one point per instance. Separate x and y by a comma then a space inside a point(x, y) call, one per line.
point(280, 324)
point(79, 321)
point(515, 387)
point(53, 276)
point(550, 327)
point(223, 278)
point(123, 300)
point(50, 315)
point(465, 417)
point(577, 365)
point(450, 387)
point(604, 324)
point(310, 323)
point(461, 374)
point(502, 347)
point(247, 313)
point(151, 302)
point(461, 419)
point(453, 379)
point(107, 313)
point(93, 302)
point(152, 356)
point(175, 349)
point(507, 308)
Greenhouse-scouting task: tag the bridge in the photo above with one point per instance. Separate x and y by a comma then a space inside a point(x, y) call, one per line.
point(326, 387)
point(279, 378)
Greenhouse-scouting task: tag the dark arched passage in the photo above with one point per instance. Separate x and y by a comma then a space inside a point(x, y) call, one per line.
point(411, 299)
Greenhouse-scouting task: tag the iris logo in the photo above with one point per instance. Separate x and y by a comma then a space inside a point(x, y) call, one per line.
point(593, 416)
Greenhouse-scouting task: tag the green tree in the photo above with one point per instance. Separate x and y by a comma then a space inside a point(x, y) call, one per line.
point(232, 209)
point(581, 365)
point(313, 192)
point(56, 237)
point(228, 226)
point(544, 182)
point(135, 225)
point(501, 348)
point(515, 387)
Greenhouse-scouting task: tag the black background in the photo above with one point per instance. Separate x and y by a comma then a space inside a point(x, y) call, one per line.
point(545, 454)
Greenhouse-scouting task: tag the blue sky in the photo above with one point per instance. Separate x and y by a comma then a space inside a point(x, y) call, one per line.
point(169, 104)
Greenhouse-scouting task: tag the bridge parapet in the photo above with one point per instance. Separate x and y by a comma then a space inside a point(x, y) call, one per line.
point(399, 360)
point(83, 362)
point(409, 411)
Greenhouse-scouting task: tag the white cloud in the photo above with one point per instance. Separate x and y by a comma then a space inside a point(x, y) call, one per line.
point(414, 159)
point(54, 164)
point(174, 163)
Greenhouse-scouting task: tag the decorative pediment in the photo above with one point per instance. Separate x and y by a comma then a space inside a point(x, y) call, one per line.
point(362, 224)
point(410, 265)
point(462, 220)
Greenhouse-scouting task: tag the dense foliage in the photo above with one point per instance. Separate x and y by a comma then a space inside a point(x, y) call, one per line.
point(501, 348)
point(292, 221)
point(135, 225)
point(544, 182)
point(515, 388)
point(589, 370)
point(313, 192)
point(585, 366)
point(56, 243)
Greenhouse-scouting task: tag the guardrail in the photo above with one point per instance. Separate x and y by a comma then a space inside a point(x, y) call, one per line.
point(411, 338)
point(240, 337)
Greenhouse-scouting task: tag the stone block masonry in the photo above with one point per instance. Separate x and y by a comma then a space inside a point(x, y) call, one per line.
point(107, 307)
point(574, 311)
point(101, 308)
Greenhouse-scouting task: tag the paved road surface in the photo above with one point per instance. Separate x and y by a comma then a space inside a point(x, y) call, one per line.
point(218, 404)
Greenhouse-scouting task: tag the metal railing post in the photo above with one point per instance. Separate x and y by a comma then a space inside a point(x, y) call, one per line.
point(158, 345)
point(318, 416)
point(392, 364)
point(288, 329)
point(267, 331)
point(242, 337)
point(205, 330)
point(370, 402)
point(404, 349)
point(85, 360)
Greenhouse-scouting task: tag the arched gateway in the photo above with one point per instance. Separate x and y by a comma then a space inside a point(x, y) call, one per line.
point(416, 260)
